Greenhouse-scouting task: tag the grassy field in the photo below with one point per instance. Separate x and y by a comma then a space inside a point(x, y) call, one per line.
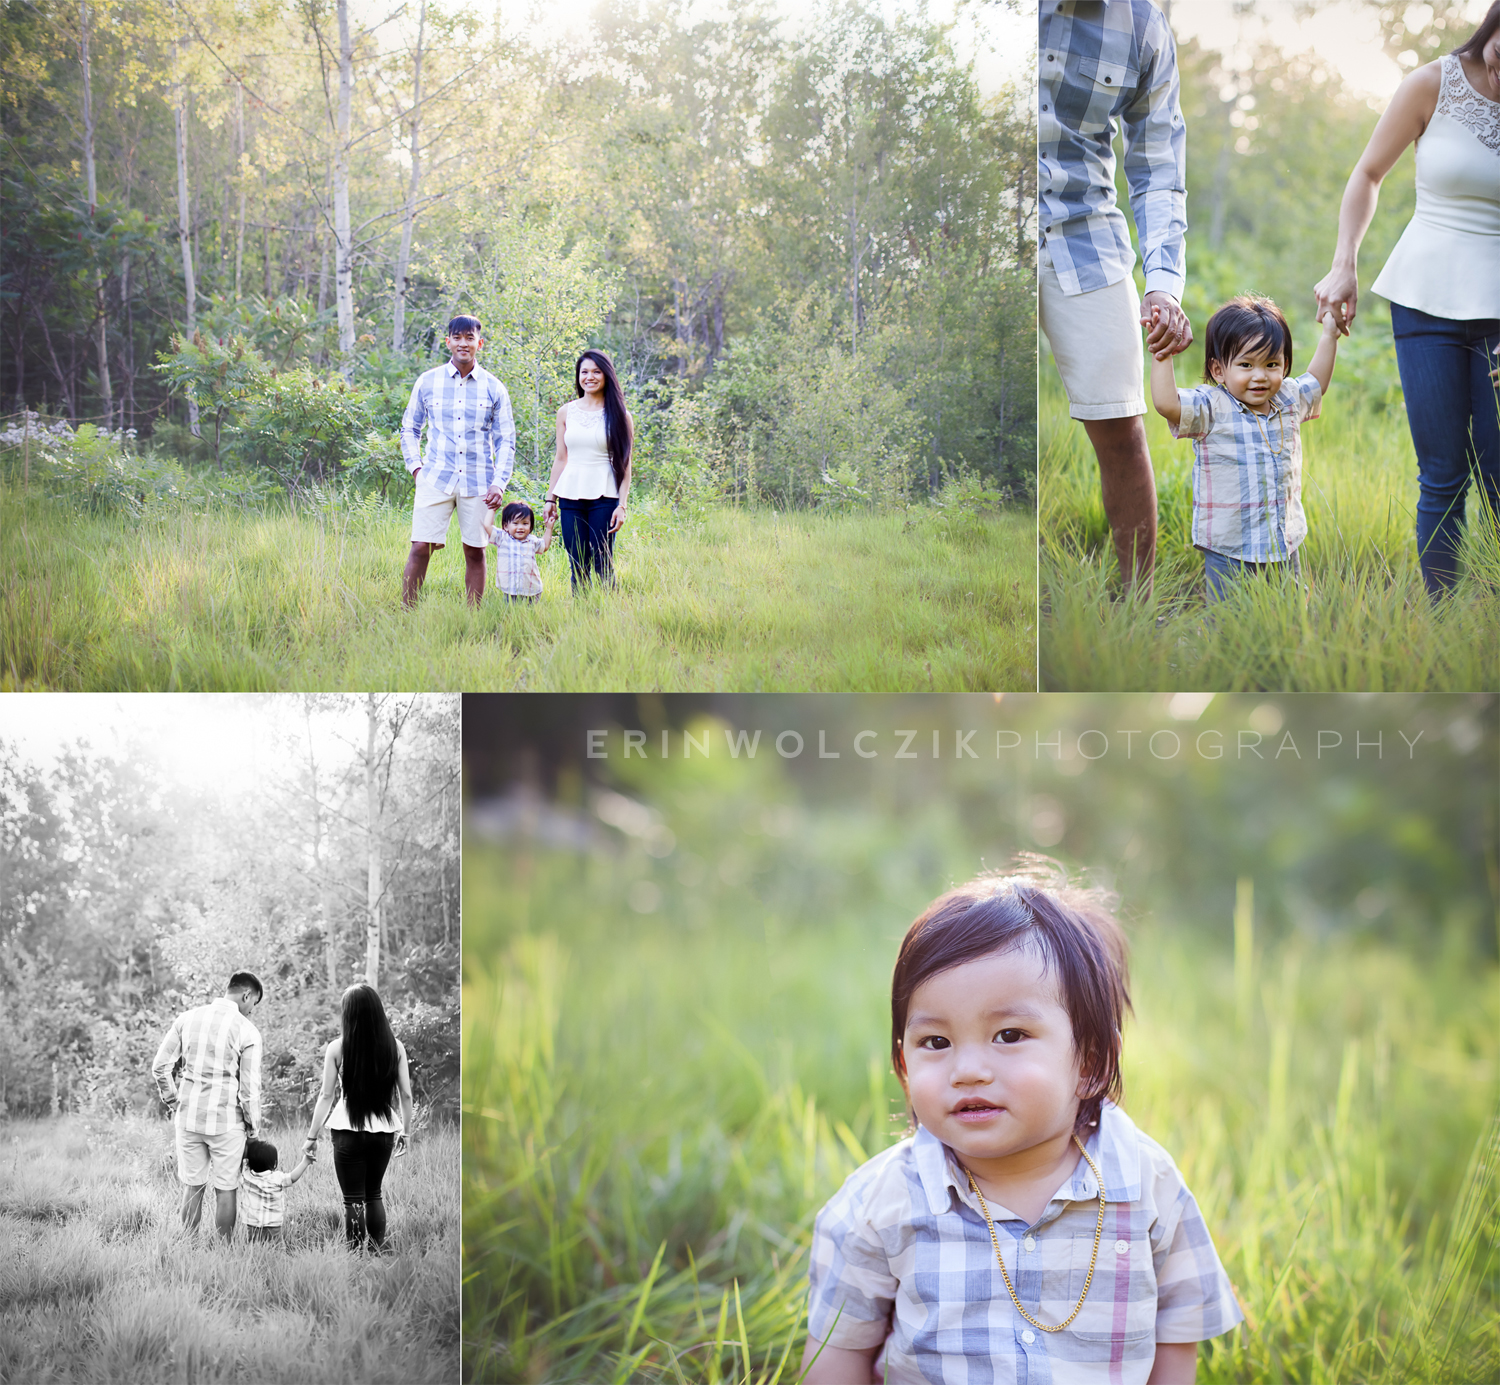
point(97, 1282)
point(730, 601)
point(1364, 622)
point(656, 1106)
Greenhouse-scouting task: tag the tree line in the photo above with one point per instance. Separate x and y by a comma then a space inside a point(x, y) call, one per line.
point(213, 210)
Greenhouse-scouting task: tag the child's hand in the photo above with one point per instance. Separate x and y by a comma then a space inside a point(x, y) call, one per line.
point(1330, 325)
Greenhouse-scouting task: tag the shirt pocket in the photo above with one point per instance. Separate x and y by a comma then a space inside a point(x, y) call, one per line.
point(1107, 85)
point(1121, 1302)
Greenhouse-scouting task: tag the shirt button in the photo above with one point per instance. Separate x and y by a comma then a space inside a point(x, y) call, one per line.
point(1029, 1243)
point(1122, 1247)
point(1028, 1336)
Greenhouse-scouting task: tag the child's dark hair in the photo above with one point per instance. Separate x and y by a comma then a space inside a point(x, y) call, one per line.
point(517, 510)
point(1070, 929)
point(261, 1155)
point(1245, 324)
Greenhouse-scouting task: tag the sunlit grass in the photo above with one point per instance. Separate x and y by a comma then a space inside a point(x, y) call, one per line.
point(655, 1110)
point(98, 1281)
point(1363, 621)
point(730, 600)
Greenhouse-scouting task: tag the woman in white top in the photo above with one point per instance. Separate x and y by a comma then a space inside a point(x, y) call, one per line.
point(368, 1064)
point(1443, 281)
point(591, 474)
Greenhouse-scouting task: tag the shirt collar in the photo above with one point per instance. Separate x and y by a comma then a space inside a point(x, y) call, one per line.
point(452, 369)
point(1114, 1145)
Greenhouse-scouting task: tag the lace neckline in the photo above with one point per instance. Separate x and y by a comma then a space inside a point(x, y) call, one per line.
point(1460, 102)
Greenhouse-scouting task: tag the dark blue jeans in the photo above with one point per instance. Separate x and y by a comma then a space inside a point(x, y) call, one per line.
point(586, 536)
point(1221, 571)
point(359, 1162)
point(1454, 412)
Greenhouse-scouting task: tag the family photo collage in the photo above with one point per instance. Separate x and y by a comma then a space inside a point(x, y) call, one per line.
point(953, 839)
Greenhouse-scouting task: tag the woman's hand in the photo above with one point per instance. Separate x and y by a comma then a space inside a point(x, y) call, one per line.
point(400, 1145)
point(617, 519)
point(549, 511)
point(1337, 293)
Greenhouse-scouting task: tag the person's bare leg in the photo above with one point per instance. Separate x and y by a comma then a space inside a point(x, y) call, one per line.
point(1129, 488)
point(474, 574)
point(192, 1207)
point(224, 1208)
point(415, 573)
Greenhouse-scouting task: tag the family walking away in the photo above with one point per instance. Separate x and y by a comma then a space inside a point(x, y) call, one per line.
point(215, 1101)
point(1025, 1224)
point(1116, 61)
point(470, 455)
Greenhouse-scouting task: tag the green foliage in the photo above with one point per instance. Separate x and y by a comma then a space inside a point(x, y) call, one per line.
point(301, 427)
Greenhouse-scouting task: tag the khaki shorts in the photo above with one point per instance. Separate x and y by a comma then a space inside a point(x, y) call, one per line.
point(432, 512)
point(220, 1155)
point(1096, 341)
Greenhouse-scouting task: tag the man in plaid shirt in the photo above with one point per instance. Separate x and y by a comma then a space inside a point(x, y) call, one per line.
point(1103, 61)
point(216, 1101)
point(471, 448)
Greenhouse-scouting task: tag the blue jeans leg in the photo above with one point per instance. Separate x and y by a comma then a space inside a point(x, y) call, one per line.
point(1453, 410)
point(1221, 571)
point(586, 536)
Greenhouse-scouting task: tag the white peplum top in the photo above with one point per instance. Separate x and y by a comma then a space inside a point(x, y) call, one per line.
point(587, 474)
point(1447, 262)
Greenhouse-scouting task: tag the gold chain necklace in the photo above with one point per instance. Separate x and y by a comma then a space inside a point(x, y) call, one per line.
point(1093, 1259)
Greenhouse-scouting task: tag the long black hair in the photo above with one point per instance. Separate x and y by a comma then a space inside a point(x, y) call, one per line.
point(616, 429)
point(371, 1061)
point(1482, 35)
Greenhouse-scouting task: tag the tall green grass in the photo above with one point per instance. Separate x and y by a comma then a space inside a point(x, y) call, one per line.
point(98, 1282)
point(1363, 621)
point(735, 601)
point(655, 1108)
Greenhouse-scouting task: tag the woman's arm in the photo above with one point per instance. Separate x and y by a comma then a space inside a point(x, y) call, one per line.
point(403, 1084)
point(559, 461)
point(1321, 364)
point(1164, 390)
point(325, 1097)
point(1402, 123)
point(618, 518)
point(839, 1365)
point(1176, 1364)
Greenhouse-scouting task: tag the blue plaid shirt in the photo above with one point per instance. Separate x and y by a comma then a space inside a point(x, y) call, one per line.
point(1103, 60)
point(1247, 469)
point(903, 1250)
point(471, 437)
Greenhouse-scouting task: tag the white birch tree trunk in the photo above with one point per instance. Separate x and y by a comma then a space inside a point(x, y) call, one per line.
point(408, 220)
point(372, 839)
point(105, 391)
point(343, 268)
point(239, 231)
point(184, 231)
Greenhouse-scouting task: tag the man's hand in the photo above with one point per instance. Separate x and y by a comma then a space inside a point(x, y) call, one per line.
point(495, 496)
point(1168, 330)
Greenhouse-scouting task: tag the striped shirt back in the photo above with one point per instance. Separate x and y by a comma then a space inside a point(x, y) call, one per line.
point(219, 1088)
point(263, 1196)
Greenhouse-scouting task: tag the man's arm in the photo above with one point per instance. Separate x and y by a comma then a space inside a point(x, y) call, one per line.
point(503, 440)
point(166, 1057)
point(1156, 163)
point(250, 1084)
point(411, 429)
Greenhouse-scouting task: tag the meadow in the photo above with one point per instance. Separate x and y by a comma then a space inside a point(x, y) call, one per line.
point(99, 1283)
point(722, 600)
point(658, 1102)
point(1363, 622)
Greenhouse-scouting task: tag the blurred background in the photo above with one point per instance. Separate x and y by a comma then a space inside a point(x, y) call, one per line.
point(677, 1023)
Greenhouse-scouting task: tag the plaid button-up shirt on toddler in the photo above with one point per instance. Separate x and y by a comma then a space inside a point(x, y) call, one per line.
point(902, 1249)
point(1247, 469)
point(1103, 60)
point(263, 1196)
point(220, 1082)
point(516, 572)
point(471, 436)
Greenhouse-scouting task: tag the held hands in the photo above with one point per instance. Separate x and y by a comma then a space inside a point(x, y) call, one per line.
point(1337, 293)
point(1168, 330)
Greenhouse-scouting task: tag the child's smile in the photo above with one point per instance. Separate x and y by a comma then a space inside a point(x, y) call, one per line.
point(990, 1065)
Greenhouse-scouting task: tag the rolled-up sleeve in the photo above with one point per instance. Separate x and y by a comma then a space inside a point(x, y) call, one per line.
point(1156, 164)
point(411, 428)
point(851, 1287)
point(250, 1083)
point(167, 1054)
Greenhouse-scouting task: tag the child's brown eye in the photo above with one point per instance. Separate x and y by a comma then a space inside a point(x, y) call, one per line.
point(1009, 1036)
